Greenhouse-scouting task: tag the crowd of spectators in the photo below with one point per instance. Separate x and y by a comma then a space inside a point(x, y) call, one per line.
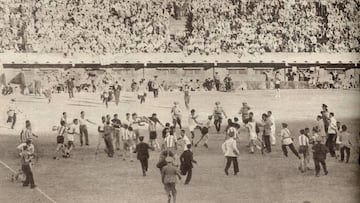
point(213, 26)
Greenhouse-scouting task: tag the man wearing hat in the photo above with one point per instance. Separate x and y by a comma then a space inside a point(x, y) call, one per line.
point(168, 176)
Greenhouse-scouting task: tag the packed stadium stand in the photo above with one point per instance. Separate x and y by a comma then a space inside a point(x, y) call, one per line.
point(212, 26)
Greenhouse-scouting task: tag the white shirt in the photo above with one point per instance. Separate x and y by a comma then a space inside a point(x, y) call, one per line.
point(31, 148)
point(71, 132)
point(82, 121)
point(252, 129)
point(229, 148)
point(192, 122)
point(272, 119)
point(286, 136)
point(332, 126)
point(186, 141)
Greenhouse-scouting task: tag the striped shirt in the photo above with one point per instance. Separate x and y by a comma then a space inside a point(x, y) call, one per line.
point(303, 140)
point(126, 135)
point(25, 134)
point(170, 141)
point(62, 131)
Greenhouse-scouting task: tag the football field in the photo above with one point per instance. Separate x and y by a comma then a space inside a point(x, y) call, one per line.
point(87, 177)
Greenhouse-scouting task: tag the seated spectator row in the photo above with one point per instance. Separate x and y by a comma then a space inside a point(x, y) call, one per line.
point(212, 26)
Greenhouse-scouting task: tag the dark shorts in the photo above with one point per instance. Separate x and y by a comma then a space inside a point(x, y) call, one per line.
point(153, 135)
point(303, 150)
point(70, 144)
point(204, 130)
point(60, 139)
point(277, 86)
point(170, 187)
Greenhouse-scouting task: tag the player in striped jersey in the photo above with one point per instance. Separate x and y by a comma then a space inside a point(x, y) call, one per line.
point(61, 133)
point(303, 150)
point(170, 143)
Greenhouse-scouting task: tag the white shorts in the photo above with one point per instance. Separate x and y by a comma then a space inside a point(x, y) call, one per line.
point(192, 128)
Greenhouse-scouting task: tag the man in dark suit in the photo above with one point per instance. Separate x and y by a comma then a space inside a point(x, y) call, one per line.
point(168, 177)
point(187, 161)
point(142, 150)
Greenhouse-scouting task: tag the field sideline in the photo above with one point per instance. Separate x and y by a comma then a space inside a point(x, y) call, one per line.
point(270, 178)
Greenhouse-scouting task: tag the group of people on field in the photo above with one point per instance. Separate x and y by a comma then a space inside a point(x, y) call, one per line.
point(125, 137)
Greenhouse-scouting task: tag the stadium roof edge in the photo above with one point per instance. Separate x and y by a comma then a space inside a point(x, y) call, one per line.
point(179, 58)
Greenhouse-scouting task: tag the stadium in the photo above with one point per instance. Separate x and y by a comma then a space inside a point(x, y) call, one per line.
point(70, 56)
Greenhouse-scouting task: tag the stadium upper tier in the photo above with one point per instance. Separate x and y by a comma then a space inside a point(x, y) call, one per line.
point(212, 26)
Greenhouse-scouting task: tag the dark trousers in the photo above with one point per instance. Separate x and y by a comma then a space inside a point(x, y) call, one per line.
point(142, 99)
point(317, 163)
point(342, 154)
point(330, 143)
point(71, 92)
point(84, 132)
point(12, 120)
point(217, 85)
point(144, 164)
point(267, 143)
point(217, 123)
point(188, 176)
point(177, 121)
point(156, 92)
point(292, 148)
point(233, 160)
point(29, 175)
point(109, 145)
point(117, 99)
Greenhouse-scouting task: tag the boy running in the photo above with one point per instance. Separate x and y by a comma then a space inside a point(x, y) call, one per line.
point(205, 133)
point(287, 141)
point(193, 124)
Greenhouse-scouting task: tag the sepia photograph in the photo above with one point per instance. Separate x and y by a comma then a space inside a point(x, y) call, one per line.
point(179, 101)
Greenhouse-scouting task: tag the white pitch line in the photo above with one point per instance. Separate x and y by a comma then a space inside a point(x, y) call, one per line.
point(37, 188)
